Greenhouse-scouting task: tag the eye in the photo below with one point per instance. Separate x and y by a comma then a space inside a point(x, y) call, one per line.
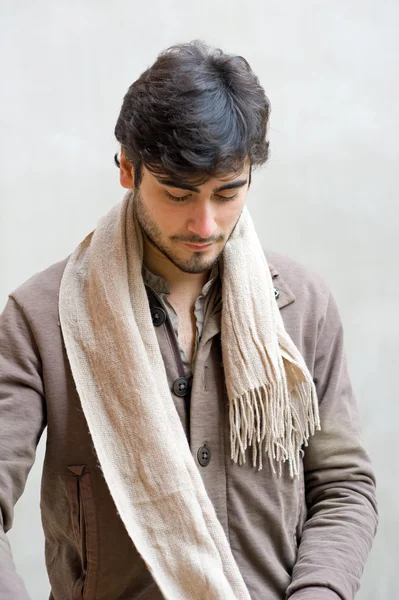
point(226, 198)
point(183, 198)
point(177, 198)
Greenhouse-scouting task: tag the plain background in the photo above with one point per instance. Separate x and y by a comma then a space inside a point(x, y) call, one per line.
point(327, 197)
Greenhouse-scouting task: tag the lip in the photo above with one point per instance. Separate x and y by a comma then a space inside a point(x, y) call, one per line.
point(197, 248)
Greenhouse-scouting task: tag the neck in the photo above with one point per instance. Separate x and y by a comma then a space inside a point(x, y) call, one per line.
point(180, 283)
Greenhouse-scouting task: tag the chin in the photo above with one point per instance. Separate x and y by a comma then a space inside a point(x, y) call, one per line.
point(195, 267)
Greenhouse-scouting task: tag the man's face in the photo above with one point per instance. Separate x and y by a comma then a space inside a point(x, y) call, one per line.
point(175, 214)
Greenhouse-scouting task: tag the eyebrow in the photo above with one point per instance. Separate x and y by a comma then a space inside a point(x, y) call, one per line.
point(186, 186)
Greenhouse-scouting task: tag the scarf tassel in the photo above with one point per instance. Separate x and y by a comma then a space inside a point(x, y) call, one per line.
point(274, 423)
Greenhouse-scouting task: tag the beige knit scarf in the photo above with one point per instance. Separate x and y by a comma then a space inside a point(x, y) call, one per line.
point(137, 434)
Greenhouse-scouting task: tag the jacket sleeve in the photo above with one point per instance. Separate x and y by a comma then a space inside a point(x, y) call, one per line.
point(339, 482)
point(22, 420)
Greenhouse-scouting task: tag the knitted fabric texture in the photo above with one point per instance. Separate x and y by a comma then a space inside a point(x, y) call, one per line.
point(137, 434)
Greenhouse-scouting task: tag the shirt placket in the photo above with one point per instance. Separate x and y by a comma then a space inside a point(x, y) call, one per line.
point(180, 386)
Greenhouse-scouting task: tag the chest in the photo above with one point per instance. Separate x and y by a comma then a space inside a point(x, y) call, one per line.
point(187, 330)
point(187, 326)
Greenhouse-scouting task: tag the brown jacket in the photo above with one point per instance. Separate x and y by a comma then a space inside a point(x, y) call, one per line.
point(303, 538)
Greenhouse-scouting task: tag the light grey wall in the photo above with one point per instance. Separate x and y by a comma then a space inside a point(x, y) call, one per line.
point(327, 197)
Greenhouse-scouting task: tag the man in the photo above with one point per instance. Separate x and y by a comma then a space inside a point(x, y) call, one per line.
point(203, 440)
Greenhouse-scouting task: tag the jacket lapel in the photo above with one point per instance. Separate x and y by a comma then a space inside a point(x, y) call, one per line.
point(285, 295)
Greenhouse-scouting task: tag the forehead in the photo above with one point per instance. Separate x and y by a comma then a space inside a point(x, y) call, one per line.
point(200, 180)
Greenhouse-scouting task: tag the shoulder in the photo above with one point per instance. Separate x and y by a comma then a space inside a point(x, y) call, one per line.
point(39, 293)
point(306, 285)
point(307, 306)
point(305, 296)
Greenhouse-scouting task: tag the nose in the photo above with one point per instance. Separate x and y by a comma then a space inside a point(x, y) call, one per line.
point(202, 221)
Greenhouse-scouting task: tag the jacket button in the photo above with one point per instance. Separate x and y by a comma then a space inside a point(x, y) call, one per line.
point(181, 386)
point(158, 316)
point(276, 293)
point(204, 455)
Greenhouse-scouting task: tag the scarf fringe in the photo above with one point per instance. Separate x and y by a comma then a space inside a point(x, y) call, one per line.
point(273, 422)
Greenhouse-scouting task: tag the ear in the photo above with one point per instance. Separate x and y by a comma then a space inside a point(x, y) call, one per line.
point(126, 172)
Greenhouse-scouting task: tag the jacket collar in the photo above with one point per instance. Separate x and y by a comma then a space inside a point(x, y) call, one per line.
point(285, 294)
point(285, 297)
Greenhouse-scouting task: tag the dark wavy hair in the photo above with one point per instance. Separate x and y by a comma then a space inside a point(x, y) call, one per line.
point(196, 113)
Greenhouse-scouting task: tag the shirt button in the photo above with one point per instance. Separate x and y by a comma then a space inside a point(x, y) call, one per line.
point(204, 455)
point(181, 386)
point(276, 293)
point(158, 316)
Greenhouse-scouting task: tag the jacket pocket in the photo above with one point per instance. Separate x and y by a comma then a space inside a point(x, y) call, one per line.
point(85, 530)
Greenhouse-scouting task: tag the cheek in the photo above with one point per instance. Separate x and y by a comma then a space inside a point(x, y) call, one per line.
point(171, 220)
point(160, 213)
point(229, 215)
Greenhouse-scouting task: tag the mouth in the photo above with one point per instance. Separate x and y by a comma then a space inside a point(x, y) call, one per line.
point(196, 247)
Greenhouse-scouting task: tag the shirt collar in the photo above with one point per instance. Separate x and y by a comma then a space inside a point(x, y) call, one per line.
point(161, 286)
